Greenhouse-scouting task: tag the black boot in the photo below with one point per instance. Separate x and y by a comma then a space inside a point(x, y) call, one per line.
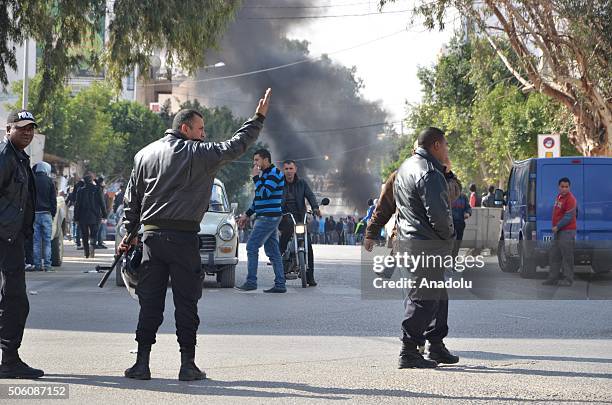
point(410, 357)
point(86, 251)
point(13, 367)
point(140, 370)
point(189, 371)
point(438, 352)
point(310, 278)
point(92, 251)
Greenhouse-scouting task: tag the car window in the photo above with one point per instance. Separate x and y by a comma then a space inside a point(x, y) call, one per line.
point(218, 200)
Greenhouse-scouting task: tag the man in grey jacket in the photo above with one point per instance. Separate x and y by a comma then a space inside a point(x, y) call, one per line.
point(169, 192)
point(425, 228)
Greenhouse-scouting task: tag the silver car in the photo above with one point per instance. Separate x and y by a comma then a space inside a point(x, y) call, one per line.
point(218, 238)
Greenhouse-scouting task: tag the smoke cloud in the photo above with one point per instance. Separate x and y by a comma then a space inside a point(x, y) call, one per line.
point(310, 101)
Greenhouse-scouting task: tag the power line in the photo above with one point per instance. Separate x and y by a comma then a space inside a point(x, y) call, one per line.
point(309, 7)
point(314, 17)
point(286, 65)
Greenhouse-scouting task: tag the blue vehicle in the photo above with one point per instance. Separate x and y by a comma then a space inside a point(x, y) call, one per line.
point(526, 233)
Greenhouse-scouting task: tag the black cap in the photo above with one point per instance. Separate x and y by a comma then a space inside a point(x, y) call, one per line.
point(21, 118)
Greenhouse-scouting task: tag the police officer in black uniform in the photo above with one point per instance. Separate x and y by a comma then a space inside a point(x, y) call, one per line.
point(17, 202)
point(168, 192)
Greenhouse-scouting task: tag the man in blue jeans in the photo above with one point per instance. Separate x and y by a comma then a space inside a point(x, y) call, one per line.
point(269, 183)
point(46, 207)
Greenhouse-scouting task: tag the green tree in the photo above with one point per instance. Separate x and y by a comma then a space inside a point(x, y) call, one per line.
point(68, 34)
point(560, 48)
point(489, 120)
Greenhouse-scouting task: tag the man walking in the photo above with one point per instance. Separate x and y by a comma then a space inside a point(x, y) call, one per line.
point(169, 192)
point(425, 227)
point(564, 235)
point(17, 202)
point(267, 205)
point(88, 212)
point(295, 194)
point(45, 210)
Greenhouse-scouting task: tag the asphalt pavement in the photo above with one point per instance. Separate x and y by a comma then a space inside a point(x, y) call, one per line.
point(315, 344)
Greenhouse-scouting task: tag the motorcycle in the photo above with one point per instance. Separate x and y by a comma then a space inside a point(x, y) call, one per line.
point(295, 257)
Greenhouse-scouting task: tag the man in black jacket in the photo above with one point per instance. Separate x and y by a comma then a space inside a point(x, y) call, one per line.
point(17, 201)
point(88, 212)
point(46, 207)
point(169, 192)
point(425, 227)
point(295, 194)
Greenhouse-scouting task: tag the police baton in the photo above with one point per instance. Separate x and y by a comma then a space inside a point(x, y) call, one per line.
point(118, 256)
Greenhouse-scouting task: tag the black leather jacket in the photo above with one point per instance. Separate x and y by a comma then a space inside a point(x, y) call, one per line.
point(301, 191)
point(172, 178)
point(421, 195)
point(16, 200)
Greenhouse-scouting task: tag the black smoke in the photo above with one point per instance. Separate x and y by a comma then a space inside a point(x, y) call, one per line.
point(308, 99)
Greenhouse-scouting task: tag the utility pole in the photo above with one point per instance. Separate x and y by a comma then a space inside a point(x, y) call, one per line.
point(24, 92)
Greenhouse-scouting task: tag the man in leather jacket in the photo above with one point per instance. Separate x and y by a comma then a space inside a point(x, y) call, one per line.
point(17, 203)
point(169, 192)
point(295, 194)
point(425, 226)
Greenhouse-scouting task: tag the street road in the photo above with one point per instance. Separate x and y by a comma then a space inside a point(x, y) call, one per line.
point(321, 343)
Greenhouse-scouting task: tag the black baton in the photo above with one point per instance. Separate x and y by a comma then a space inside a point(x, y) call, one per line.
point(118, 256)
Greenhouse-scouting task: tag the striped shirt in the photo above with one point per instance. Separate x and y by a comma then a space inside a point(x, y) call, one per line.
point(268, 193)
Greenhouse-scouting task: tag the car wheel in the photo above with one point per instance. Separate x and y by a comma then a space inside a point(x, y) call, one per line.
point(506, 264)
point(227, 276)
point(57, 249)
point(527, 264)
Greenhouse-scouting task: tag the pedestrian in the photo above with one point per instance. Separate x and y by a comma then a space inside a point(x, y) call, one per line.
point(269, 183)
point(340, 231)
point(17, 203)
point(322, 222)
point(76, 230)
point(118, 198)
point(425, 227)
point(564, 235)
point(89, 210)
point(101, 235)
point(313, 229)
point(181, 160)
point(328, 227)
point(45, 210)
point(350, 231)
point(475, 200)
point(461, 211)
point(333, 235)
point(489, 199)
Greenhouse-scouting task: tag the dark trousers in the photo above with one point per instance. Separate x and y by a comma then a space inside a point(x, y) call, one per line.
point(89, 233)
point(29, 250)
point(459, 228)
point(562, 255)
point(286, 230)
point(176, 255)
point(14, 304)
point(426, 311)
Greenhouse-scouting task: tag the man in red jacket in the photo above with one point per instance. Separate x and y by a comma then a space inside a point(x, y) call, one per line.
point(564, 235)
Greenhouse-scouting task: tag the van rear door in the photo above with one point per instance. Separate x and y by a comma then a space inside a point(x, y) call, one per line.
point(597, 198)
point(549, 171)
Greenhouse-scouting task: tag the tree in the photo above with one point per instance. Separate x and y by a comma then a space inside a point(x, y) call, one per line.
point(68, 31)
point(560, 48)
point(489, 121)
point(220, 124)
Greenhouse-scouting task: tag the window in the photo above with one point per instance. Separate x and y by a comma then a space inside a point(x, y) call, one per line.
point(218, 200)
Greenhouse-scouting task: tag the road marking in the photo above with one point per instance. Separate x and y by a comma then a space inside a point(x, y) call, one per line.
point(516, 316)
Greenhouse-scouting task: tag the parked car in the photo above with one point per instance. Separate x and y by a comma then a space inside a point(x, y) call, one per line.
point(57, 233)
point(526, 231)
point(218, 238)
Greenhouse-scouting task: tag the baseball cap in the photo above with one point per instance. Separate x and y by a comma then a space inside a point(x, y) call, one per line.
point(21, 118)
